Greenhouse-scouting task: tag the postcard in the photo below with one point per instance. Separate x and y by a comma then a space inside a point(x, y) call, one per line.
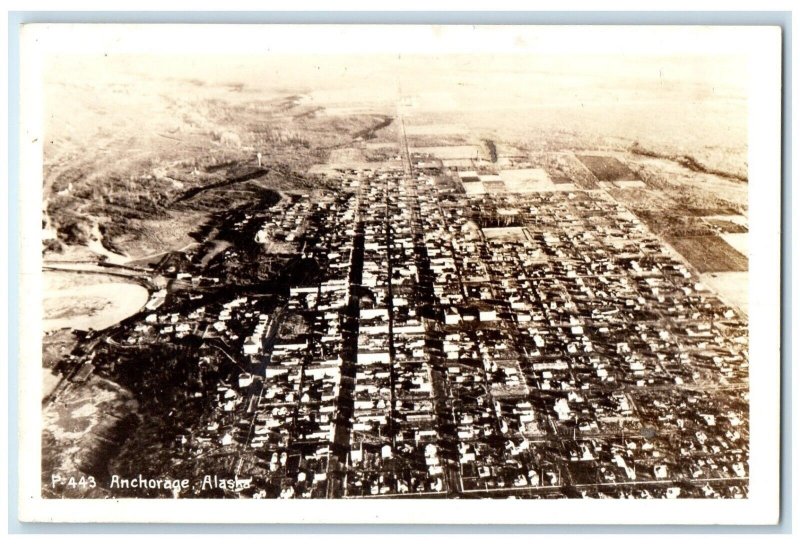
point(391, 273)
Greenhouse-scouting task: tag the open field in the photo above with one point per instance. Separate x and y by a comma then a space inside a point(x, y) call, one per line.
point(436, 129)
point(525, 176)
point(728, 225)
point(532, 180)
point(473, 188)
point(449, 152)
point(698, 185)
point(372, 146)
point(732, 287)
point(504, 233)
point(438, 141)
point(347, 155)
point(735, 219)
point(607, 169)
point(624, 184)
point(644, 199)
point(739, 241)
point(710, 254)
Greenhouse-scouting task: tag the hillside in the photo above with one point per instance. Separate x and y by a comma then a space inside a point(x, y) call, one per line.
point(122, 150)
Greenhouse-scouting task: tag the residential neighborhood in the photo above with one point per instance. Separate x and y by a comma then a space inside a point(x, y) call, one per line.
point(433, 340)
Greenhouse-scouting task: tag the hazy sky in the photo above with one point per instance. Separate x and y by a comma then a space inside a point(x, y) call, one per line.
point(544, 77)
point(684, 88)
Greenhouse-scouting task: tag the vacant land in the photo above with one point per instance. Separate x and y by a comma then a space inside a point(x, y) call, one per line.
point(709, 254)
point(474, 188)
point(607, 169)
point(449, 152)
point(347, 155)
point(524, 180)
point(732, 287)
point(627, 184)
point(740, 241)
point(697, 189)
point(728, 224)
point(504, 234)
point(532, 180)
point(434, 141)
point(442, 129)
point(565, 167)
point(645, 200)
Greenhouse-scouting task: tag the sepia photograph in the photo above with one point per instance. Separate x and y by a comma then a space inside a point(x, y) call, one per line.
point(447, 263)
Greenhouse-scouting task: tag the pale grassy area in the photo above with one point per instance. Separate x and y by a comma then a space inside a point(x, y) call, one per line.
point(473, 188)
point(629, 184)
point(531, 180)
point(524, 176)
point(162, 235)
point(450, 152)
point(732, 190)
point(739, 241)
point(737, 219)
point(72, 253)
point(437, 129)
point(527, 180)
point(347, 155)
point(732, 287)
point(457, 163)
point(623, 184)
point(381, 146)
point(331, 168)
point(504, 233)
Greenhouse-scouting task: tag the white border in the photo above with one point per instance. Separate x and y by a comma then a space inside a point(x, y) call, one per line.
point(760, 44)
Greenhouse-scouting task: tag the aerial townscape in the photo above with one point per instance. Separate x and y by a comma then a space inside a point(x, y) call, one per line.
point(422, 312)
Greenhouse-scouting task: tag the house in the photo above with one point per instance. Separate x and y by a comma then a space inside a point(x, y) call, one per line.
point(367, 357)
point(451, 316)
point(251, 345)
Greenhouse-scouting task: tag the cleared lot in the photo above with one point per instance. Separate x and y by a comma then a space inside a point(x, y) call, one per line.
point(511, 234)
point(441, 128)
point(607, 169)
point(739, 241)
point(710, 254)
point(449, 152)
point(732, 287)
